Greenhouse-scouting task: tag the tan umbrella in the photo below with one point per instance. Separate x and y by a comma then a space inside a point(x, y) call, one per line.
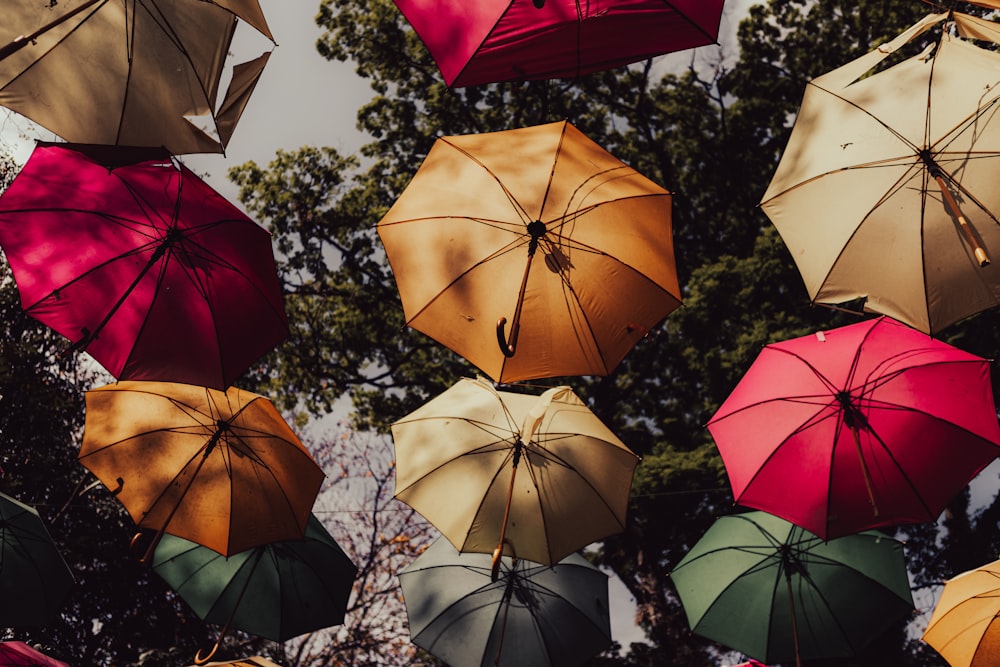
point(965, 625)
point(129, 72)
point(535, 477)
point(222, 469)
point(887, 191)
point(539, 226)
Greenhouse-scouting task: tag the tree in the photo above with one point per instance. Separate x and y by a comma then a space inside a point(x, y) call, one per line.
point(712, 134)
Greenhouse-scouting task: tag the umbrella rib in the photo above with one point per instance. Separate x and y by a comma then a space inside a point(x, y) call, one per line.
point(479, 450)
point(520, 210)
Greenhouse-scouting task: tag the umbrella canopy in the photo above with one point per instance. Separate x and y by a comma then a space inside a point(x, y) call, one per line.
point(886, 189)
point(965, 625)
point(502, 40)
point(142, 264)
point(221, 469)
point(771, 590)
point(255, 661)
point(277, 591)
point(457, 460)
point(34, 578)
point(544, 227)
point(531, 615)
point(129, 72)
point(19, 654)
point(868, 425)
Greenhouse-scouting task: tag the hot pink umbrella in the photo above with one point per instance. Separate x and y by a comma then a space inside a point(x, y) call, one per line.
point(139, 262)
point(505, 40)
point(19, 654)
point(868, 425)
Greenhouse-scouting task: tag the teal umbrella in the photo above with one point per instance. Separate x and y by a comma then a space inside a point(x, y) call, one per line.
point(533, 614)
point(776, 592)
point(34, 578)
point(276, 591)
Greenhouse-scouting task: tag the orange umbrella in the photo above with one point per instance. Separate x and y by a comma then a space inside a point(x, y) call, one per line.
point(964, 627)
point(222, 469)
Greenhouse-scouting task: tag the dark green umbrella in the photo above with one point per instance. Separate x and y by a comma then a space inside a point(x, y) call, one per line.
point(776, 592)
point(34, 578)
point(532, 614)
point(276, 591)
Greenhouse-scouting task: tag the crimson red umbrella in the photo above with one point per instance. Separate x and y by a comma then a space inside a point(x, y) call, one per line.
point(510, 40)
point(140, 263)
point(19, 654)
point(869, 425)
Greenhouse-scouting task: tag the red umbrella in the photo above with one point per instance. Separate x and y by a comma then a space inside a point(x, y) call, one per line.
point(868, 425)
point(505, 40)
point(19, 654)
point(139, 262)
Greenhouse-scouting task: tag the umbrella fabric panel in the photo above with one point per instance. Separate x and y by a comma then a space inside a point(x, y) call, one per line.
point(854, 137)
point(32, 571)
point(252, 483)
point(132, 256)
point(504, 40)
point(172, 75)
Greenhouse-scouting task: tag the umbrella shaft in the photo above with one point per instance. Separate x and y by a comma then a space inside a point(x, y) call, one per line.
point(864, 469)
point(963, 224)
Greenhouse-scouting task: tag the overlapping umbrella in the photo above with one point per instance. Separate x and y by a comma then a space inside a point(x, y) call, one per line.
point(34, 579)
point(128, 72)
point(222, 469)
point(139, 262)
point(771, 590)
point(897, 168)
point(458, 458)
point(531, 615)
point(965, 625)
point(19, 654)
point(502, 40)
point(539, 226)
point(867, 425)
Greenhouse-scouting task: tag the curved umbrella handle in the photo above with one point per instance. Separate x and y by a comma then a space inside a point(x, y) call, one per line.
point(200, 659)
point(507, 347)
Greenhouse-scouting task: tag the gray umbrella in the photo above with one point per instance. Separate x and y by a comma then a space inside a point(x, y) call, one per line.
point(532, 614)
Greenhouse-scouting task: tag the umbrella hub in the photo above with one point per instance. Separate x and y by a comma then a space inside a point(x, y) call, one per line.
point(174, 236)
point(854, 418)
point(932, 166)
point(537, 230)
point(790, 562)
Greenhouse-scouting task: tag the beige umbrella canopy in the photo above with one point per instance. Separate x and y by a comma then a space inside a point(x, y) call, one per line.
point(128, 72)
point(222, 469)
point(535, 477)
point(887, 191)
point(532, 253)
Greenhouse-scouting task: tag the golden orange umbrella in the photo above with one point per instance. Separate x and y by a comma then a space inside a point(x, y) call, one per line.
point(222, 469)
point(543, 228)
point(964, 627)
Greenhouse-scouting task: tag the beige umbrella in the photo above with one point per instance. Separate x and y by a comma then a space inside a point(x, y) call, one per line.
point(539, 226)
point(222, 469)
point(535, 477)
point(887, 191)
point(128, 72)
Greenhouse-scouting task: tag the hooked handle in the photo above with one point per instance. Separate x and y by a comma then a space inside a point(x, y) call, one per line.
point(508, 347)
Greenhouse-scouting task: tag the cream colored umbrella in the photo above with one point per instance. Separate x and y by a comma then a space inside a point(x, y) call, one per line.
point(533, 252)
point(128, 72)
point(965, 625)
point(886, 190)
point(534, 477)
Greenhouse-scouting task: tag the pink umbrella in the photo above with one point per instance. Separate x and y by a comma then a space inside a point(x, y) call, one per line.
point(19, 654)
point(139, 262)
point(869, 425)
point(510, 40)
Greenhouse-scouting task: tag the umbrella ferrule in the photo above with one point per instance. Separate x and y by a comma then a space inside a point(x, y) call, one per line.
point(537, 230)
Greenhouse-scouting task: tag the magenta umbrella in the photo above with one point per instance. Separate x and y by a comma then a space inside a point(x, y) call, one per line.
point(487, 41)
point(19, 654)
point(141, 264)
point(869, 425)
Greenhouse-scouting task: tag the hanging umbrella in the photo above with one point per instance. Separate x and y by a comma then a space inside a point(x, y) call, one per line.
point(771, 590)
point(965, 625)
point(463, 237)
point(503, 40)
point(531, 615)
point(19, 654)
point(277, 591)
point(256, 661)
point(139, 262)
point(221, 469)
point(34, 578)
point(129, 72)
point(457, 460)
point(868, 425)
point(886, 189)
